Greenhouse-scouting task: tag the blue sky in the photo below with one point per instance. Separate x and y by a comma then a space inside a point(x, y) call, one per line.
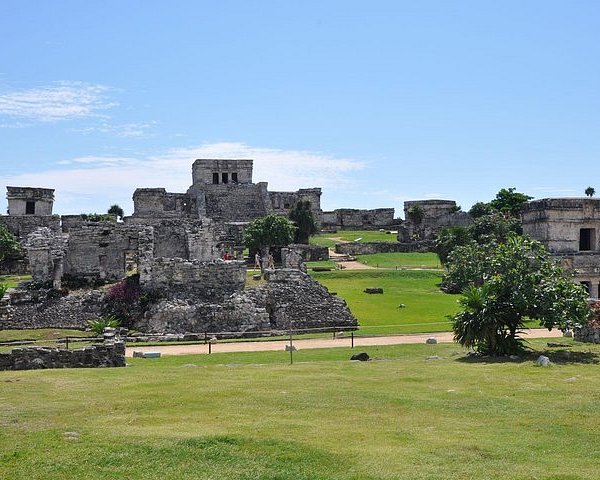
point(377, 102)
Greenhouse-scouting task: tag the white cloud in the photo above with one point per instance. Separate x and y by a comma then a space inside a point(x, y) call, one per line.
point(127, 130)
point(92, 183)
point(57, 101)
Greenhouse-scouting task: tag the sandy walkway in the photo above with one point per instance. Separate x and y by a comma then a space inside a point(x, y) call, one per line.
point(344, 341)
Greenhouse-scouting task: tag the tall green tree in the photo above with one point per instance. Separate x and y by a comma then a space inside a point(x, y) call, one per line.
point(507, 283)
point(117, 211)
point(480, 209)
point(270, 231)
point(302, 216)
point(9, 245)
point(509, 201)
point(495, 227)
point(448, 239)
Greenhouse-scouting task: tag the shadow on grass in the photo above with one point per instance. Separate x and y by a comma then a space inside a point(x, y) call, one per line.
point(559, 357)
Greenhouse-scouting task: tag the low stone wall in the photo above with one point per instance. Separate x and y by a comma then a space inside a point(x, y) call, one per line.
point(587, 333)
point(112, 355)
point(381, 247)
point(311, 253)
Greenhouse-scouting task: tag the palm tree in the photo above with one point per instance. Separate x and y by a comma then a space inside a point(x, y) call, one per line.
point(590, 191)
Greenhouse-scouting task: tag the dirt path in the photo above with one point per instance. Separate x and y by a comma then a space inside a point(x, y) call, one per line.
point(347, 264)
point(345, 341)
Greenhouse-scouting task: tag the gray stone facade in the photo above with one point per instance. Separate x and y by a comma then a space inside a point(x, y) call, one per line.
point(570, 229)
point(425, 218)
point(381, 247)
point(221, 190)
point(354, 219)
point(30, 201)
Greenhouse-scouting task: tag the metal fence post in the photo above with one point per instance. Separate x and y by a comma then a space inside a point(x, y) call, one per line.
point(67, 343)
point(352, 338)
point(291, 349)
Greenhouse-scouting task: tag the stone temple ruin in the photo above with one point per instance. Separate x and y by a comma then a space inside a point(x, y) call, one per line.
point(175, 242)
point(569, 228)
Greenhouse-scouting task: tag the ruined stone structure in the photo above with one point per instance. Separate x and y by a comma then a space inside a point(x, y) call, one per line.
point(30, 201)
point(175, 241)
point(223, 191)
point(425, 218)
point(368, 248)
point(28, 209)
point(570, 229)
point(353, 219)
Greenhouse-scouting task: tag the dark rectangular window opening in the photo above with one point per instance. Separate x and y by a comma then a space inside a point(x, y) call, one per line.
point(587, 239)
point(225, 177)
point(587, 286)
point(30, 207)
point(234, 177)
point(215, 178)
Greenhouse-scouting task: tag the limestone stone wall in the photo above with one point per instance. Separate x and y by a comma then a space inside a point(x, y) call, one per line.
point(236, 314)
point(381, 247)
point(22, 225)
point(354, 219)
point(434, 215)
point(157, 202)
point(45, 252)
point(51, 309)
point(310, 253)
point(234, 203)
point(207, 280)
point(294, 300)
point(112, 355)
point(102, 251)
point(282, 202)
point(587, 333)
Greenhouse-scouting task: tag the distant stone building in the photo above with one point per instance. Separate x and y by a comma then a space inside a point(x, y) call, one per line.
point(425, 218)
point(223, 191)
point(28, 209)
point(570, 229)
point(355, 219)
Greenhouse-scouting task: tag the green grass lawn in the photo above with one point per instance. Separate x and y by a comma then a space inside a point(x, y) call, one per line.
point(425, 308)
point(330, 239)
point(401, 260)
point(13, 280)
point(253, 416)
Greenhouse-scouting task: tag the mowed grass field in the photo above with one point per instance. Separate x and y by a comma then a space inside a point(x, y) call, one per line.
point(330, 239)
point(427, 260)
point(253, 416)
point(412, 301)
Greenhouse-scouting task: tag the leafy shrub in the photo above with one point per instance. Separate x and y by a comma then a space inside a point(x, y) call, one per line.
point(3, 289)
point(98, 326)
point(98, 217)
point(123, 300)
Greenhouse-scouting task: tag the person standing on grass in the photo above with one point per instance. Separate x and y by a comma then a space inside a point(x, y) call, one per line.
point(271, 260)
point(257, 264)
